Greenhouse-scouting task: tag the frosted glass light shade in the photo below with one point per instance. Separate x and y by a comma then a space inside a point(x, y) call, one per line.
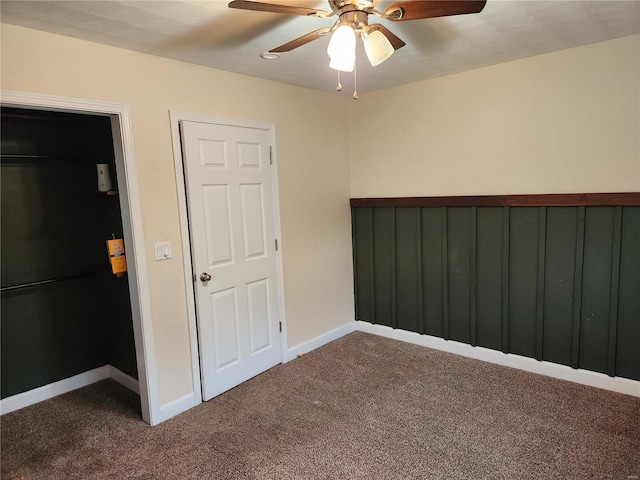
point(378, 47)
point(343, 63)
point(342, 49)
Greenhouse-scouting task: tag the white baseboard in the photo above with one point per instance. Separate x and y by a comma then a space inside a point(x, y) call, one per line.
point(563, 372)
point(177, 406)
point(123, 379)
point(320, 340)
point(191, 400)
point(21, 400)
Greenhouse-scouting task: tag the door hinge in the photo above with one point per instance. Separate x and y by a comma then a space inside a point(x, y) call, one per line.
point(280, 325)
point(276, 244)
point(270, 155)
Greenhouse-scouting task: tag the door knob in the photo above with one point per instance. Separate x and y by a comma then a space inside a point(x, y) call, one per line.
point(205, 277)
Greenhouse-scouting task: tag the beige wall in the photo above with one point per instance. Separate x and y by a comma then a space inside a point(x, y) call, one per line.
point(314, 182)
point(556, 123)
point(561, 122)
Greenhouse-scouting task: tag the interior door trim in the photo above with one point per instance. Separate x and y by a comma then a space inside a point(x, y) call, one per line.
point(133, 231)
point(176, 118)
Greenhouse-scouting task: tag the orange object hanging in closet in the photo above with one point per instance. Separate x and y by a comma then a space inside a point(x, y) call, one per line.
point(117, 258)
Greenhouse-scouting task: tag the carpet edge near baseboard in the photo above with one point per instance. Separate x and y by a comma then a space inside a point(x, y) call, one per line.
point(51, 390)
point(549, 369)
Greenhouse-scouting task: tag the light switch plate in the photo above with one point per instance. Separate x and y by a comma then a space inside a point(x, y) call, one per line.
point(162, 250)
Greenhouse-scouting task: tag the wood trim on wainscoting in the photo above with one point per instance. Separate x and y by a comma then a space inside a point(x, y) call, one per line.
point(539, 200)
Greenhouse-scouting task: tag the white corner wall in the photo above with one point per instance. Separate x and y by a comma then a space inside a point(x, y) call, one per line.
point(563, 122)
point(313, 176)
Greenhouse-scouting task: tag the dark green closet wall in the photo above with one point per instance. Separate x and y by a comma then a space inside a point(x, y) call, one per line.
point(54, 224)
point(559, 283)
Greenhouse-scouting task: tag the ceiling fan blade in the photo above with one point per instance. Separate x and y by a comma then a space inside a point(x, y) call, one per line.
point(272, 7)
point(395, 41)
point(416, 9)
point(298, 42)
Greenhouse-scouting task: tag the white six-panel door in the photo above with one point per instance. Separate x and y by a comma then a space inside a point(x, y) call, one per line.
point(232, 228)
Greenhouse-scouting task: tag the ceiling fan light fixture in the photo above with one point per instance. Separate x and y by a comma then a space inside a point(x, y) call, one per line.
point(378, 47)
point(343, 64)
point(342, 49)
point(353, 15)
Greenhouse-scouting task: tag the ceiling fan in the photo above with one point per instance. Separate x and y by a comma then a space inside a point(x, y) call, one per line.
point(352, 22)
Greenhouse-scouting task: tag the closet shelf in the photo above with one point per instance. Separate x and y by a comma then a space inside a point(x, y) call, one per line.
point(110, 193)
point(22, 157)
point(45, 282)
point(85, 272)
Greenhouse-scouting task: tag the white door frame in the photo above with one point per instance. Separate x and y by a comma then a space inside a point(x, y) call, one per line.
point(132, 227)
point(176, 118)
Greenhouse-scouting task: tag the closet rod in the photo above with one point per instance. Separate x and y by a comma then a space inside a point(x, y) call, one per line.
point(21, 156)
point(44, 282)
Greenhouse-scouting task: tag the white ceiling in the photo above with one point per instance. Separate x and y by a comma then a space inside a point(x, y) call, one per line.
point(209, 33)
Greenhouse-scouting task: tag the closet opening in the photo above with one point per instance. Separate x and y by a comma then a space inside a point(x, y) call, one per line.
point(65, 313)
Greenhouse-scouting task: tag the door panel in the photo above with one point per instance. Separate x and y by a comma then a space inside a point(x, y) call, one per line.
point(213, 153)
point(218, 228)
point(224, 315)
point(259, 318)
point(232, 228)
point(248, 155)
point(252, 224)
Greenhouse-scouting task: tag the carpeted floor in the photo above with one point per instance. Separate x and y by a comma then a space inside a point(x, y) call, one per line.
point(362, 407)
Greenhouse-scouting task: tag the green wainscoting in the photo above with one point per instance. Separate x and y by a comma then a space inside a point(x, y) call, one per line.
point(559, 283)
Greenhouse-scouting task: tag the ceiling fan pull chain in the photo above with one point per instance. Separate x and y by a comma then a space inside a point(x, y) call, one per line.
point(355, 81)
point(339, 86)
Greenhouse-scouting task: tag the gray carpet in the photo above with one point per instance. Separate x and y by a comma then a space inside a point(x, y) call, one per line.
point(362, 407)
